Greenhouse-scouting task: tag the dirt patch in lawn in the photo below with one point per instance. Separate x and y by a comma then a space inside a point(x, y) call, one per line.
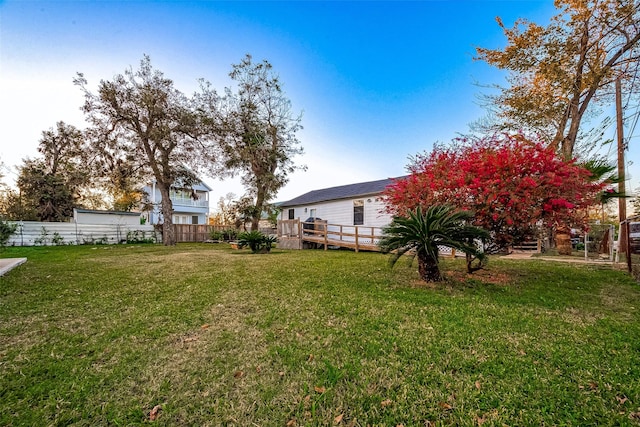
point(484, 276)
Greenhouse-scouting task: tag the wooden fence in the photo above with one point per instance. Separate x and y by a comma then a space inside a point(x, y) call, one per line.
point(202, 232)
point(195, 233)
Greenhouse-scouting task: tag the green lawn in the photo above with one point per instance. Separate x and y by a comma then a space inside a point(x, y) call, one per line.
point(210, 336)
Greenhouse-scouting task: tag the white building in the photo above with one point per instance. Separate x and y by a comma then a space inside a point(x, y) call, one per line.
point(94, 217)
point(353, 204)
point(190, 205)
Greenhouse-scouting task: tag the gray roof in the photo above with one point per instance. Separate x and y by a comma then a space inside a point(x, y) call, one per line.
point(341, 192)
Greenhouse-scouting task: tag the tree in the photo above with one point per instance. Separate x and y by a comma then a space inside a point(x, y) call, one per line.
point(140, 116)
point(44, 196)
point(511, 185)
point(122, 180)
point(225, 213)
point(244, 210)
point(51, 186)
point(422, 233)
point(560, 73)
point(261, 128)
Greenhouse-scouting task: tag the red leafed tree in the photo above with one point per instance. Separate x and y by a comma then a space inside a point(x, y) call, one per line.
point(510, 183)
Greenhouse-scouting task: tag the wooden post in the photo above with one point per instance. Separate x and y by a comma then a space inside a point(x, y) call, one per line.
point(326, 234)
point(356, 238)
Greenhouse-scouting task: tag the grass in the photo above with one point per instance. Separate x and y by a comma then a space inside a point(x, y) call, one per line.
point(210, 336)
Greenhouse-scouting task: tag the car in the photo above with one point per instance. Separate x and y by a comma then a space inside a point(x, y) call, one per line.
point(309, 223)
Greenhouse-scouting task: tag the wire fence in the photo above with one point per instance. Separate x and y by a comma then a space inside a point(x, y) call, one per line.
point(599, 242)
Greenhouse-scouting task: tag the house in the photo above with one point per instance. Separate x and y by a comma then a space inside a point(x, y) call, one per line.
point(190, 205)
point(353, 204)
point(94, 217)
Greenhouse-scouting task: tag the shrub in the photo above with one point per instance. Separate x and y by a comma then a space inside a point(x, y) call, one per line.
point(216, 235)
point(57, 239)
point(256, 241)
point(43, 239)
point(230, 234)
point(138, 236)
point(422, 233)
point(6, 231)
point(511, 185)
point(90, 240)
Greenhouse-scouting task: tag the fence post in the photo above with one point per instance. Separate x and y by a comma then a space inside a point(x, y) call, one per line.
point(627, 239)
point(326, 234)
point(356, 238)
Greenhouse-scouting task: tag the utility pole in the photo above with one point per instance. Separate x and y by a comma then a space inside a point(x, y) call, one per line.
point(622, 201)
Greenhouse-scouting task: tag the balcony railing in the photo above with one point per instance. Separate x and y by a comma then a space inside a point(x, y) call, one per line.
point(188, 201)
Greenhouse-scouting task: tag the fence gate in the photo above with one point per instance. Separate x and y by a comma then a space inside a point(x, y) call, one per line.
point(599, 242)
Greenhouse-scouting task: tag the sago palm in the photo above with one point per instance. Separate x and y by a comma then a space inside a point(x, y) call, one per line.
point(421, 233)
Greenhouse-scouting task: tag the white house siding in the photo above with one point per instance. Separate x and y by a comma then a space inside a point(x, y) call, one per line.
point(341, 211)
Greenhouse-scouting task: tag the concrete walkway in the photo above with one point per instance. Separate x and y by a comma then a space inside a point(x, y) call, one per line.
point(8, 264)
point(517, 255)
point(574, 260)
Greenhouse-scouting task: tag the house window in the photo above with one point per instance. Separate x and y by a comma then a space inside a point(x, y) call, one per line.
point(181, 219)
point(292, 213)
point(313, 213)
point(358, 212)
point(194, 219)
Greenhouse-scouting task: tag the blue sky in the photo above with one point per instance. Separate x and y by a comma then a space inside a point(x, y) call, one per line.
point(377, 82)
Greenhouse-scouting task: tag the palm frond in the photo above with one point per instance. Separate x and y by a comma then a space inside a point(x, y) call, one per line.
point(426, 231)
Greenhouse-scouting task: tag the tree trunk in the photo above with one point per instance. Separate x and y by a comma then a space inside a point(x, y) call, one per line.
point(259, 207)
point(168, 231)
point(428, 268)
point(470, 267)
point(563, 241)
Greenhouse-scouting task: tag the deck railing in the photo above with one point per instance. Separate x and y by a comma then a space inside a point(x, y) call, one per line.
point(356, 237)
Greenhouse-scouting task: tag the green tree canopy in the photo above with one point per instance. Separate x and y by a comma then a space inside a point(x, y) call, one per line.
point(260, 133)
point(139, 119)
point(50, 187)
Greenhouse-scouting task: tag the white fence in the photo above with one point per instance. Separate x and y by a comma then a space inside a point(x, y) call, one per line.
point(32, 233)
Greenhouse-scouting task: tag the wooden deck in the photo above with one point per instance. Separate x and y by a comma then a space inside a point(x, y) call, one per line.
point(356, 237)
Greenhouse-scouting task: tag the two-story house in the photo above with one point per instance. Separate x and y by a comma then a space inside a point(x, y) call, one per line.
point(190, 205)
